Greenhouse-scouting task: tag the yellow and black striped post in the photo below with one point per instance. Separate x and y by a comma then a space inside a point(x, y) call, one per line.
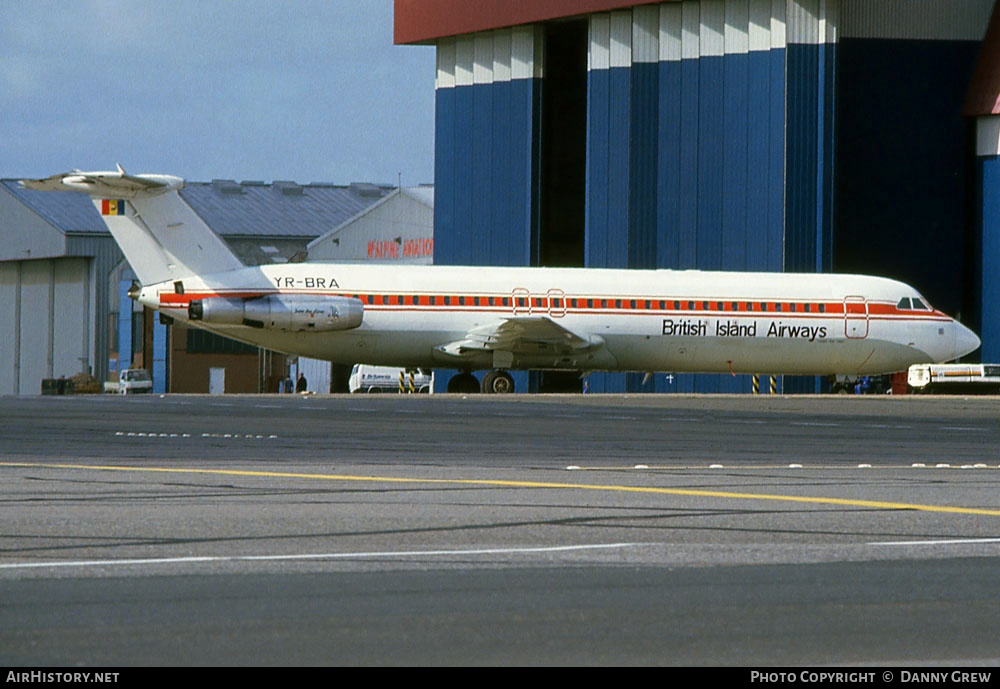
point(774, 384)
point(401, 384)
point(756, 384)
point(411, 390)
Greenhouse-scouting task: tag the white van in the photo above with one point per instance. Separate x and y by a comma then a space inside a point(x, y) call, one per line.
point(372, 379)
point(130, 381)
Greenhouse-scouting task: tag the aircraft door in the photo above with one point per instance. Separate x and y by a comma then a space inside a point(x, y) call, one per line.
point(520, 301)
point(556, 301)
point(855, 318)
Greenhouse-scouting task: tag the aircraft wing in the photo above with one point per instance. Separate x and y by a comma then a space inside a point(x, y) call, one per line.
point(521, 335)
point(511, 334)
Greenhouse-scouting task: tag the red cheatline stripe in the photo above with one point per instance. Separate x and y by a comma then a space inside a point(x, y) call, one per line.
point(589, 305)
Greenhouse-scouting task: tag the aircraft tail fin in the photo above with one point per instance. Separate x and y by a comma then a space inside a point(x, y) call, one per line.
point(159, 233)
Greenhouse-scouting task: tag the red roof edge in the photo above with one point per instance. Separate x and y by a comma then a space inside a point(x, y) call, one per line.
point(423, 21)
point(984, 91)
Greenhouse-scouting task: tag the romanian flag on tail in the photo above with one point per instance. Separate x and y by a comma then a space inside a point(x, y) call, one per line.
point(109, 207)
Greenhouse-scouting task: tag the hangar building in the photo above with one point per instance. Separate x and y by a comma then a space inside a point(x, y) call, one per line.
point(748, 135)
point(398, 228)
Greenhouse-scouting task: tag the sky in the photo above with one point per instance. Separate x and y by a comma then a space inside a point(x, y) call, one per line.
point(303, 90)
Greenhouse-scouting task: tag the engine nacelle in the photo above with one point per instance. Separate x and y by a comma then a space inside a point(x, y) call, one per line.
point(293, 313)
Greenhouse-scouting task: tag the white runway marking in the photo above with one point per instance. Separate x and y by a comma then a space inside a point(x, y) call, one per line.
point(248, 436)
point(950, 541)
point(314, 556)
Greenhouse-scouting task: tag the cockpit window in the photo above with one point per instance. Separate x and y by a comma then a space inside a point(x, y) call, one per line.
point(918, 304)
point(904, 304)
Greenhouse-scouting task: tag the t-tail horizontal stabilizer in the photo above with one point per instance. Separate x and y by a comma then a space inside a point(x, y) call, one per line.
point(161, 236)
point(107, 185)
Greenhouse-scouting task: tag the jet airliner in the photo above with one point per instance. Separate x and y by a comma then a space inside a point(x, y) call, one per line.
point(498, 318)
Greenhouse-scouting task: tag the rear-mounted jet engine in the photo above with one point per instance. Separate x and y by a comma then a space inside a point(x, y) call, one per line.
point(274, 312)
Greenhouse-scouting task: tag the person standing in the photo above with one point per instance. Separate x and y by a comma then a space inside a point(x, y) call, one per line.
point(301, 385)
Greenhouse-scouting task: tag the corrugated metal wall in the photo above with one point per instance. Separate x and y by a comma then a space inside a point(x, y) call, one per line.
point(486, 163)
point(811, 34)
point(105, 257)
point(988, 227)
point(915, 20)
point(713, 128)
point(49, 303)
point(687, 144)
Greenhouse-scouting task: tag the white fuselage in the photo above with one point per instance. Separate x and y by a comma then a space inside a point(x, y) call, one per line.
point(639, 320)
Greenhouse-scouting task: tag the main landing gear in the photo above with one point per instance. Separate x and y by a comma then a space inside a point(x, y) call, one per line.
point(498, 382)
point(495, 382)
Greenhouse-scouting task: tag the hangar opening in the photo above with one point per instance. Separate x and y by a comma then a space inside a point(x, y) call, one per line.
point(563, 145)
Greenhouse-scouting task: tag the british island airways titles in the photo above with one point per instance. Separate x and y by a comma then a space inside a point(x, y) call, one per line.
point(731, 328)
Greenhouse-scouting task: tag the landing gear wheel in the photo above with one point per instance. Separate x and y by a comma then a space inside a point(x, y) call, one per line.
point(498, 382)
point(463, 383)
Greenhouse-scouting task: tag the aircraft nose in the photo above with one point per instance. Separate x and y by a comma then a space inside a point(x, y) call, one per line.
point(966, 341)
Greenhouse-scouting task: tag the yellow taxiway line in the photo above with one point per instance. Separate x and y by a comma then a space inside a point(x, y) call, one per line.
point(844, 502)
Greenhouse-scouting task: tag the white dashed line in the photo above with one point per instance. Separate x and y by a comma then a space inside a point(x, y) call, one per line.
point(231, 436)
